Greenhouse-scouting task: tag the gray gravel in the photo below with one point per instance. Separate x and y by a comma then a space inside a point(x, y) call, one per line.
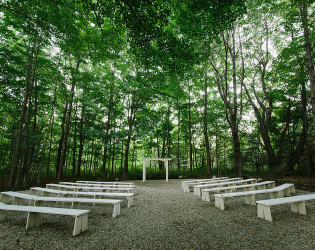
point(164, 217)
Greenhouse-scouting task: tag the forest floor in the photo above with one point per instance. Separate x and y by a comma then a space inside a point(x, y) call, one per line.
point(164, 217)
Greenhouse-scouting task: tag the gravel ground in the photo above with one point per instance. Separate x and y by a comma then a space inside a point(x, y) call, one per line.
point(164, 217)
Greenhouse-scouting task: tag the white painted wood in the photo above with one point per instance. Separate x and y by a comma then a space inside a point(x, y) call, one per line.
point(34, 217)
point(35, 200)
point(107, 182)
point(61, 193)
point(201, 180)
point(297, 205)
point(205, 193)
point(87, 189)
point(250, 195)
point(189, 185)
point(145, 160)
point(95, 185)
point(198, 188)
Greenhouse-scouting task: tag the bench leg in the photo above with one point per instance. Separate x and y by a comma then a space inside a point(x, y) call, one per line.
point(6, 198)
point(15, 201)
point(250, 199)
point(260, 211)
point(130, 201)
point(80, 224)
point(206, 196)
point(287, 192)
point(298, 207)
point(34, 203)
point(261, 187)
point(74, 205)
point(264, 212)
point(33, 220)
point(219, 202)
point(2, 215)
point(197, 191)
point(116, 211)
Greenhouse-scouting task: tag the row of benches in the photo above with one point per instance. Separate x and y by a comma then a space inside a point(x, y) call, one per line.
point(248, 191)
point(19, 200)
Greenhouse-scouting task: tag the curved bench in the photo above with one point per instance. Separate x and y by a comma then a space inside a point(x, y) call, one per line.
point(277, 192)
point(205, 193)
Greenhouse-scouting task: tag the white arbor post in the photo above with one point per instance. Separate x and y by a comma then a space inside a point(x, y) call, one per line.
point(145, 160)
point(166, 164)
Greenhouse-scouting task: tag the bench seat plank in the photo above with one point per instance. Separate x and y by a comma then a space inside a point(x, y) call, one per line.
point(34, 217)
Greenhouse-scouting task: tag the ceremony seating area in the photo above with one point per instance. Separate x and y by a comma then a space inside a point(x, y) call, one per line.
point(66, 192)
point(248, 190)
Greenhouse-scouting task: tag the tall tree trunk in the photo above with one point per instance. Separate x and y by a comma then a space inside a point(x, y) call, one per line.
point(108, 123)
point(81, 137)
point(16, 157)
point(178, 133)
point(296, 154)
point(233, 107)
point(50, 124)
point(308, 54)
point(205, 126)
point(190, 134)
point(67, 125)
point(131, 118)
point(74, 145)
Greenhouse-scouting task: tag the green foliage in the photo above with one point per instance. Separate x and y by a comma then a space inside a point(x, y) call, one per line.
point(141, 74)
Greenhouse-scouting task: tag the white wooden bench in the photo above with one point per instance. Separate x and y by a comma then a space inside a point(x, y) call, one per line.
point(198, 188)
point(187, 186)
point(205, 193)
point(34, 217)
point(201, 180)
point(87, 189)
point(277, 192)
point(20, 199)
point(95, 185)
point(297, 205)
point(95, 195)
point(107, 182)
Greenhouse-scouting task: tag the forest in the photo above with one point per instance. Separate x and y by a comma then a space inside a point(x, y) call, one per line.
point(90, 87)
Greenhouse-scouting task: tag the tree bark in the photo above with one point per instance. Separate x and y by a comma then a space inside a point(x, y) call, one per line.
point(67, 127)
point(205, 126)
point(81, 138)
point(16, 157)
point(190, 133)
point(233, 108)
point(308, 55)
point(296, 154)
point(131, 119)
point(178, 133)
point(108, 124)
